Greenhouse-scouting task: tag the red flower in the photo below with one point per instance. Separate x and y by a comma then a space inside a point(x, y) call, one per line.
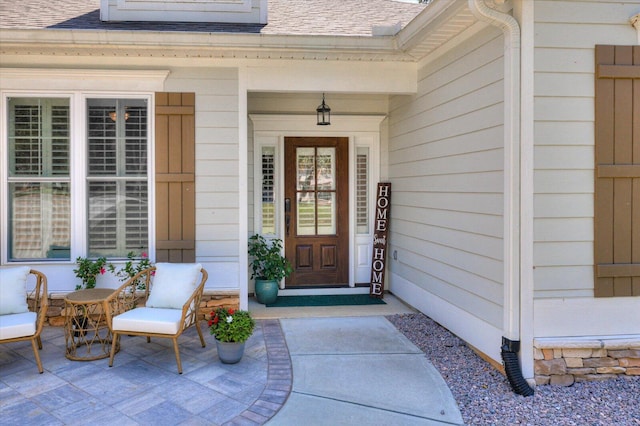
point(210, 323)
point(216, 319)
point(231, 311)
point(102, 271)
point(143, 255)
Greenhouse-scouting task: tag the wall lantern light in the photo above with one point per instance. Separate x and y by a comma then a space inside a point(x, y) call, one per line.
point(324, 113)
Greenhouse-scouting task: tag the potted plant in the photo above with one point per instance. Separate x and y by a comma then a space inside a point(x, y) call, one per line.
point(231, 329)
point(88, 271)
point(268, 267)
point(133, 266)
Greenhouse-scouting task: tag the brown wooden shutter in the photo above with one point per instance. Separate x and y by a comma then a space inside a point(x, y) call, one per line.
point(617, 175)
point(175, 177)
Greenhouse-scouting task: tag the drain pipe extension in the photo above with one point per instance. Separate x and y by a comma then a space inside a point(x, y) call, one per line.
point(509, 352)
point(511, 344)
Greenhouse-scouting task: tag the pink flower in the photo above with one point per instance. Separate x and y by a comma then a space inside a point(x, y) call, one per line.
point(144, 255)
point(102, 271)
point(153, 273)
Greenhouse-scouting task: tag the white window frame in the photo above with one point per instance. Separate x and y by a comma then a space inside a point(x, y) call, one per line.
point(257, 184)
point(78, 172)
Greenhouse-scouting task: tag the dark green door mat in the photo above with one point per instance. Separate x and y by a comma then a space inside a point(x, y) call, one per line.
point(332, 300)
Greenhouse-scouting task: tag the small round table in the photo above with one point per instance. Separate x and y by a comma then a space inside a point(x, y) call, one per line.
point(86, 332)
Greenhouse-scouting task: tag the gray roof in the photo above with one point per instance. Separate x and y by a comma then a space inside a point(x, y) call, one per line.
point(286, 17)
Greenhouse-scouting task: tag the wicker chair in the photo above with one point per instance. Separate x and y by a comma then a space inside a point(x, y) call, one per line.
point(23, 321)
point(171, 299)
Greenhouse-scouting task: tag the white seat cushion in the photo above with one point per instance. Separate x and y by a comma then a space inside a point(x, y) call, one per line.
point(13, 290)
point(148, 320)
point(173, 284)
point(17, 325)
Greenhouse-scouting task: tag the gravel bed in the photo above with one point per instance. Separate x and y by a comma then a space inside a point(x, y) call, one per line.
point(485, 397)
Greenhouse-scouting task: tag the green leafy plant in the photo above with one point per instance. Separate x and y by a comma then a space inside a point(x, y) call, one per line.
point(230, 325)
point(88, 270)
point(132, 266)
point(267, 261)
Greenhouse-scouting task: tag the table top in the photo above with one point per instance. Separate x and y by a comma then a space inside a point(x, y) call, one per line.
point(91, 295)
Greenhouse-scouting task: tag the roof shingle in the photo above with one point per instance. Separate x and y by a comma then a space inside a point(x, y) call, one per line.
point(286, 17)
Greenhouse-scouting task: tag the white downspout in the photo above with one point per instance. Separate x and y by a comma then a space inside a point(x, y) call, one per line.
point(511, 31)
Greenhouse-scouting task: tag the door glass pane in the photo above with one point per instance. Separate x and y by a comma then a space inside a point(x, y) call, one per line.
point(326, 213)
point(305, 168)
point(306, 213)
point(39, 220)
point(326, 165)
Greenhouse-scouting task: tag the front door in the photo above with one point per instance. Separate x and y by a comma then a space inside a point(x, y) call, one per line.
point(317, 211)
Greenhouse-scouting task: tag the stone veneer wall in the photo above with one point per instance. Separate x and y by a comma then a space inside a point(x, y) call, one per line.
point(210, 301)
point(564, 362)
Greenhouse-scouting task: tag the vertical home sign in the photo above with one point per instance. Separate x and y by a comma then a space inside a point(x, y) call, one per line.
point(380, 228)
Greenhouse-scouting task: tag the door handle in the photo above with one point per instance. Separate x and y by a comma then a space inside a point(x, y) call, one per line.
point(287, 214)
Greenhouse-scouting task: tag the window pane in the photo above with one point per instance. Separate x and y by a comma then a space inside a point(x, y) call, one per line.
point(117, 149)
point(117, 137)
point(306, 213)
point(326, 213)
point(305, 168)
point(362, 190)
point(38, 137)
point(136, 139)
point(118, 218)
point(268, 201)
point(39, 220)
point(137, 217)
point(326, 163)
point(101, 134)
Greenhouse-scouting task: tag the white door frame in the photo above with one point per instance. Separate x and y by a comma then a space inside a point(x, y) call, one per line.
point(362, 131)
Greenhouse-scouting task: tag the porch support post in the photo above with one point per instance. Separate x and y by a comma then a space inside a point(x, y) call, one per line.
point(243, 178)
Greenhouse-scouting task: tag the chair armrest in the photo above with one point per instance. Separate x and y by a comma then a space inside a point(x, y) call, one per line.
point(127, 296)
point(40, 299)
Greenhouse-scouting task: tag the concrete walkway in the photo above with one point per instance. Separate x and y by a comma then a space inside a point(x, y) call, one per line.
point(361, 371)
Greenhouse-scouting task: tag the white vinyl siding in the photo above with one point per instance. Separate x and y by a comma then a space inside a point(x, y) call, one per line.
point(217, 169)
point(566, 35)
point(446, 167)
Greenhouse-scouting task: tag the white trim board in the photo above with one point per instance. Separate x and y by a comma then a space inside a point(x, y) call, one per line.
point(37, 79)
point(587, 316)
